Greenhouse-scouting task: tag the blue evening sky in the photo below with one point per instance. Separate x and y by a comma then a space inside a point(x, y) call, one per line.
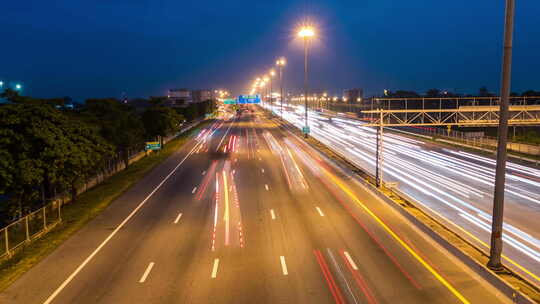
point(99, 48)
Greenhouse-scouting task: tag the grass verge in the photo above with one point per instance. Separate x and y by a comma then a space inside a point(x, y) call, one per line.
point(88, 206)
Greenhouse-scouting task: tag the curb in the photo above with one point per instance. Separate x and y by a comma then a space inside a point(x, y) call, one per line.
point(491, 277)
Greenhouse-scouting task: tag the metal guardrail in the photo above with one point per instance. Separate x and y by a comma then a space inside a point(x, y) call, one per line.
point(476, 139)
point(28, 228)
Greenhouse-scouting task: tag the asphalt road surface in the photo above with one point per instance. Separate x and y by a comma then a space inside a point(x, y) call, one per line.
point(246, 212)
point(453, 185)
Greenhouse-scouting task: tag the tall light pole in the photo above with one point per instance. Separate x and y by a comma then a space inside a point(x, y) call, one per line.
point(500, 171)
point(266, 80)
point(271, 74)
point(306, 33)
point(281, 63)
point(257, 85)
point(262, 85)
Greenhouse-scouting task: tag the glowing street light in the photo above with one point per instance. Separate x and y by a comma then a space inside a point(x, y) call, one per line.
point(272, 73)
point(281, 62)
point(306, 33)
point(18, 86)
point(265, 81)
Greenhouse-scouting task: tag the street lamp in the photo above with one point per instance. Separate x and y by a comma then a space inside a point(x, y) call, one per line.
point(261, 86)
point(281, 63)
point(18, 87)
point(306, 33)
point(272, 74)
point(265, 81)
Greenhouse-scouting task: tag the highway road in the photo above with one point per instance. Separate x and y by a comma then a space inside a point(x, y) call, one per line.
point(452, 184)
point(246, 212)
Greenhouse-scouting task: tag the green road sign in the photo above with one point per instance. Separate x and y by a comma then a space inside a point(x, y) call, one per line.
point(230, 101)
point(305, 130)
point(152, 145)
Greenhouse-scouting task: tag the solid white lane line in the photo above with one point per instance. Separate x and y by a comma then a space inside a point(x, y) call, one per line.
point(194, 189)
point(320, 211)
point(115, 231)
point(215, 268)
point(272, 214)
point(266, 186)
point(283, 265)
point(353, 264)
point(178, 218)
point(146, 272)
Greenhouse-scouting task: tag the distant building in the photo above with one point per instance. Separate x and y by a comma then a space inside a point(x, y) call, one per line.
point(179, 97)
point(202, 95)
point(183, 97)
point(353, 95)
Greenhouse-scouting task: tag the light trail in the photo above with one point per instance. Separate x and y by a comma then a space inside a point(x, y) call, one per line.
point(448, 181)
point(226, 213)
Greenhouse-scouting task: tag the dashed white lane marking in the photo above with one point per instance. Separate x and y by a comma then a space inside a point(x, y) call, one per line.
point(194, 189)
point(353, 264)
point(266, 186)
point(341, 275)
point(272, 214)
point(320, 211)
point(115, 231)
point(146, 272)
point(204, 172)
point(283, 265)
point(178, 218)
point(215, 268)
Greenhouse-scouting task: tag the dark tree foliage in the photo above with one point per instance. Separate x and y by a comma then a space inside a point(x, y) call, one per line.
point(46, 149)
point(403, 94)
point(161, 121)
point(196, 110)
point(118, 123)
point(433, 93)
point(484, 92)
point(41, 146)
point(531, 93)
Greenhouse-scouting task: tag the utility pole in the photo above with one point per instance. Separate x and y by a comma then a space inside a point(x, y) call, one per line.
point(500, 171)
point(271, 99)
point(281, 63)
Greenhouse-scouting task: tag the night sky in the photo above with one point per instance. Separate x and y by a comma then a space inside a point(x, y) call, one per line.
point(100, 48)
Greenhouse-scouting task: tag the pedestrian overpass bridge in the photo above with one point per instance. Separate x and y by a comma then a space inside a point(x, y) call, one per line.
point(464, 114)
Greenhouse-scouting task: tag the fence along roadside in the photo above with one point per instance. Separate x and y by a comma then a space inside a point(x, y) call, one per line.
point(37, 223)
